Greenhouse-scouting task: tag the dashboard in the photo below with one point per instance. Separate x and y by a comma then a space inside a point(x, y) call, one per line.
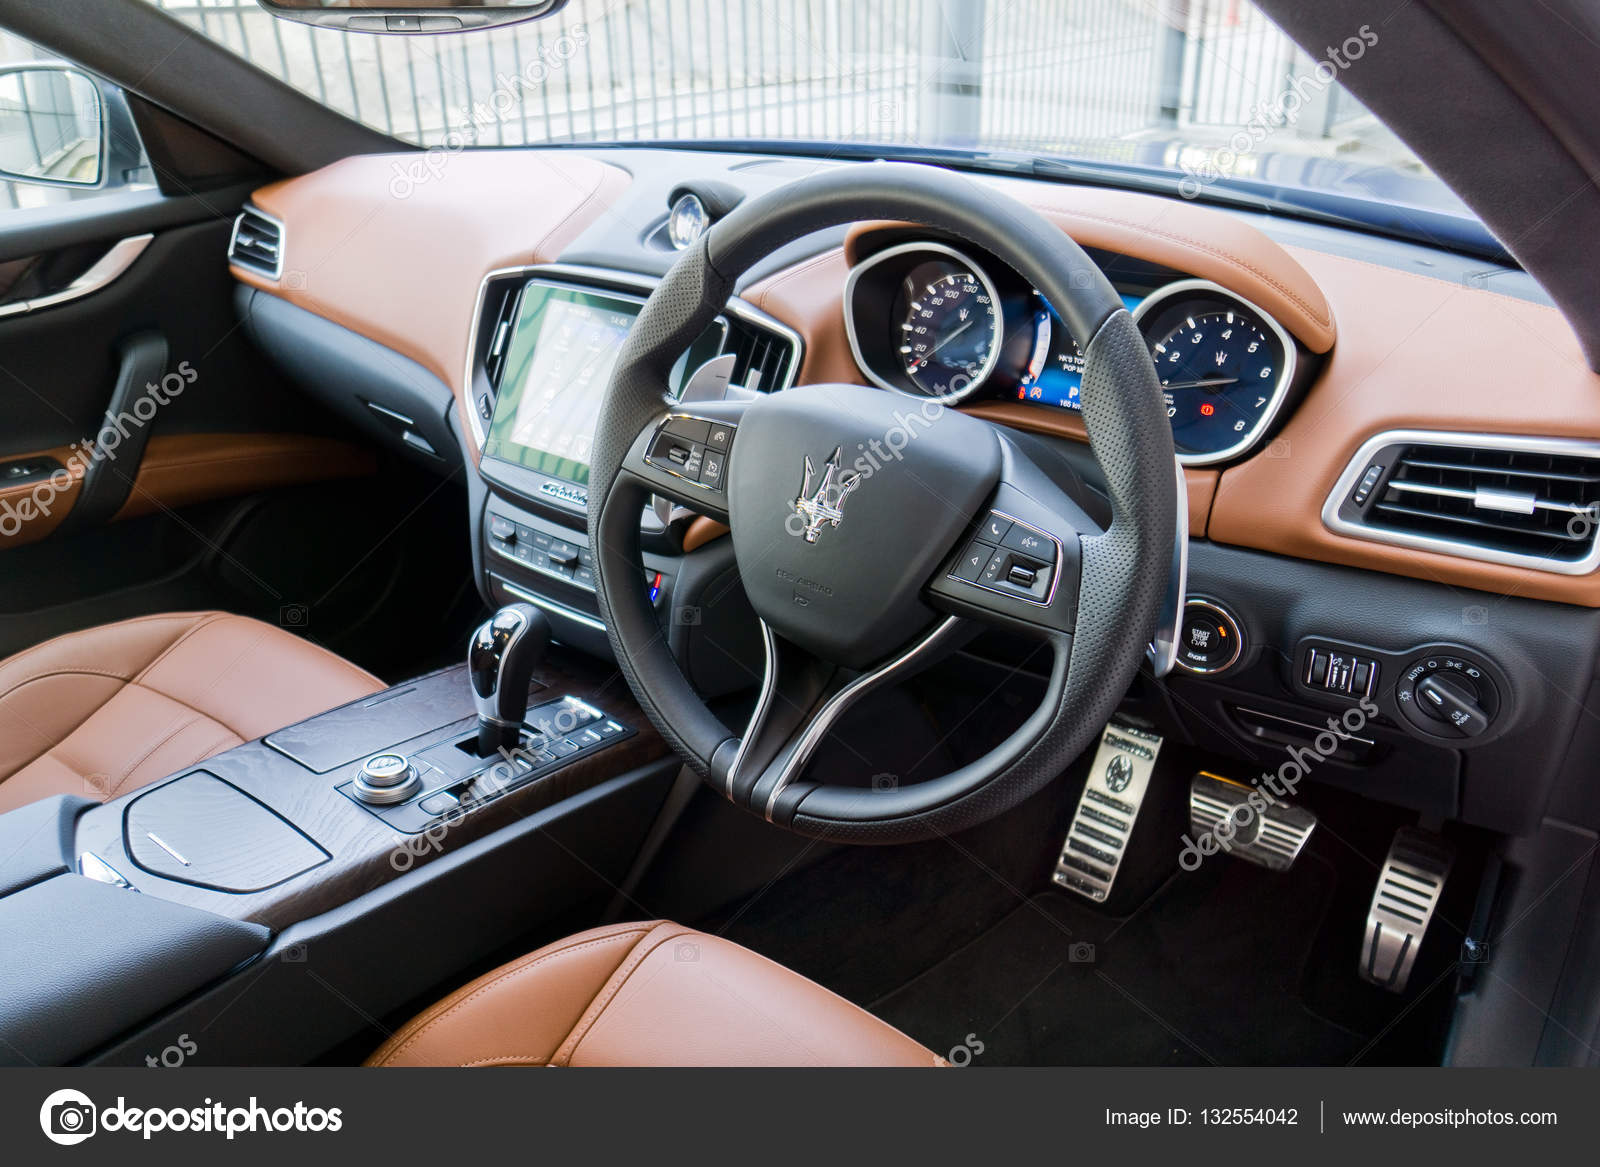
point(930, 319)
point(1325, 390)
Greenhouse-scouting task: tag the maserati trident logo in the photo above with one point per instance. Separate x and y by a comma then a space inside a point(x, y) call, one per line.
point(824, 506)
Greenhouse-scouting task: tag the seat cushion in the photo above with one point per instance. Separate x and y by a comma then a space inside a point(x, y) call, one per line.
point(106, 710)
point(647, 994)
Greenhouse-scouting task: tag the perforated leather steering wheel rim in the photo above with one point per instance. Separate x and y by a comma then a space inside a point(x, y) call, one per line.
point(1123, 571)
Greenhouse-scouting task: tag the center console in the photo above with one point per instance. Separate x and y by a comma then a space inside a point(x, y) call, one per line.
point(346, 863)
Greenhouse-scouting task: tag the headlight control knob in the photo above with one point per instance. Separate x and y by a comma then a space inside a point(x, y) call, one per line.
point(1447, 694)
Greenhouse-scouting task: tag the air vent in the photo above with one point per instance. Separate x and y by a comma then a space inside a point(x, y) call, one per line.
point(504, 304)
point(257, 243)
point(1525, 501)
point(764, 360)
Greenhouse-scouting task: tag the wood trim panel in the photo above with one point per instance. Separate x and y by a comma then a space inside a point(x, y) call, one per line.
point(360, 845)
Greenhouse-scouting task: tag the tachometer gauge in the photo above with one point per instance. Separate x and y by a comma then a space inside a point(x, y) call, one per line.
point(950, 330)
point(1223, 366)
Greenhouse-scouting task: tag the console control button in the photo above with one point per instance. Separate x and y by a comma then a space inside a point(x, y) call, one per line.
point(442, 803)
point(1344, 672)
point(1209, 638)
point(385, 779)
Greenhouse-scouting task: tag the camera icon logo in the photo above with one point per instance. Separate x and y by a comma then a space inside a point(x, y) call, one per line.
point(67, 1117)
point(1081, 953)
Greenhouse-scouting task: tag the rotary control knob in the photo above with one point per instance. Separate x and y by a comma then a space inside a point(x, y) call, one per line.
point(1448, 695)
point(386, 779)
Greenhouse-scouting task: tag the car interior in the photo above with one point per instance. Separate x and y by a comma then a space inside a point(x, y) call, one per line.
point(616, 599)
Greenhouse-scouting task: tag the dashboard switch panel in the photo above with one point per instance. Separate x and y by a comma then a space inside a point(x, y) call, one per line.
point(1341, 672)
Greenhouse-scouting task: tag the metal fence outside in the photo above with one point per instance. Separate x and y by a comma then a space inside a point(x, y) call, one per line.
point(1113, 79)
point(1050, 73)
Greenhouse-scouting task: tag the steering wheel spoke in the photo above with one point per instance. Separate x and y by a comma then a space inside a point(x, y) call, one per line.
point(1018, 565)
point(802, 699)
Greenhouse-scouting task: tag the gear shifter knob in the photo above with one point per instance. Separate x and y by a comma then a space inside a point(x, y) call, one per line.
point(500, 664)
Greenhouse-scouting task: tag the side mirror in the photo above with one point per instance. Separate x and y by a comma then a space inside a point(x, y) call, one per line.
point(411, 16)
point(52, 126)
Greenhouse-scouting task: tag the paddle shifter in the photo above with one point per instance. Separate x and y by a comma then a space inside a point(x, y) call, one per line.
point(500, 662)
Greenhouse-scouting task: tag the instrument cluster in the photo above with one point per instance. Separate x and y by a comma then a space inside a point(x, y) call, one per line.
point(931, 320)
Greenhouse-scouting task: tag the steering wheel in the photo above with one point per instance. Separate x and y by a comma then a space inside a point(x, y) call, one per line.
point(854, 514)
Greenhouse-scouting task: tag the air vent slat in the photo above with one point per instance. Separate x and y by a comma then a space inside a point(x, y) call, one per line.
point(763, 361)
point(505, 313)
point(257, 243)
point(1519, 503)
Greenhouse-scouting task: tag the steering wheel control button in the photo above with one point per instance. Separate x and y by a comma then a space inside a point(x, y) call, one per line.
point(386, 779)
point(1010, 557)
point(1448, 695)
point(973, 561)
point(1027, 541)
point(692, 448)
point(1107, 810)
point(1209, 638)
point(995, 528)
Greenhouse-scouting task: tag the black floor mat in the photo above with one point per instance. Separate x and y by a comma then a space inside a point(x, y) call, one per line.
point(1206, 972)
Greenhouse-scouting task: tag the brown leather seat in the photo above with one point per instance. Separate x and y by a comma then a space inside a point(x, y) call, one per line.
point(103, 711)
point(647, 994)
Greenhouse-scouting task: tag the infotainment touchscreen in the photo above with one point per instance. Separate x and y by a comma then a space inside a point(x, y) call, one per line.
point(558, 362)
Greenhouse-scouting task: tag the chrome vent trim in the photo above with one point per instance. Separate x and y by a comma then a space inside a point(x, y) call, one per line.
point(257, 243)
point(1475, 496)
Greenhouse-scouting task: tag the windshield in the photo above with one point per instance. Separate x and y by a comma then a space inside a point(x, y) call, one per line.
point(1206, 92)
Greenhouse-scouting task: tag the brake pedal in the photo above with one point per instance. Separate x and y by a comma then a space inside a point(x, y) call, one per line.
point(1107, 810)
point(1247, 822)
point(1409, 888)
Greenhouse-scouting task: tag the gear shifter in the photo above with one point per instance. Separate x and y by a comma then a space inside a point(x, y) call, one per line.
point(500, 663)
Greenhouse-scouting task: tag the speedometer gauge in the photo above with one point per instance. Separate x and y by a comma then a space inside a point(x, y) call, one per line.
point(950, 329)
point(1224, 368)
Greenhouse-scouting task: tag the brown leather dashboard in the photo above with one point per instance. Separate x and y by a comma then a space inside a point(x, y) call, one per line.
point(1401, 350)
